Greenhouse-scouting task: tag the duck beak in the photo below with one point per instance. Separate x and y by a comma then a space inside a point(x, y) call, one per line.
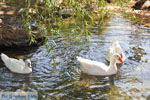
point(120, 59)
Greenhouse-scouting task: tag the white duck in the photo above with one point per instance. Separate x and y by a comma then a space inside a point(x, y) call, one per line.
point(17, 66)
point(115, 48)
point(98, 68)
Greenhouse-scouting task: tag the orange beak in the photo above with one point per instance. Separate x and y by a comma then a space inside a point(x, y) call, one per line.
point(120, 59)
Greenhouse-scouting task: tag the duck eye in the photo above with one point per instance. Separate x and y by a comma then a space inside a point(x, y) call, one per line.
point(29, 64)
point(121, 55)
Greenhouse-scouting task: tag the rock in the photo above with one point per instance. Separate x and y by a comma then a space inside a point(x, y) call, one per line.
point(1, 20)
point(65, 13)
point(57, 3)
point(110, 1)
point(146, 5)
point(142, 4)
point(12, 33)
point(14, 37)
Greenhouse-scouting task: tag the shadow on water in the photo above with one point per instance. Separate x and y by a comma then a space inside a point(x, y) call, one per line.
point(56, 74)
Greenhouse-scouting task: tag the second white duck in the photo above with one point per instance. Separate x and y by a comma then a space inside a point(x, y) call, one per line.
point(97, 68)
point(115, 48)
point(17, 66)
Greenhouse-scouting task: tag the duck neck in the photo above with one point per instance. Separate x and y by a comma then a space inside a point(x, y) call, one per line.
point(112, 64)
point(27, 69)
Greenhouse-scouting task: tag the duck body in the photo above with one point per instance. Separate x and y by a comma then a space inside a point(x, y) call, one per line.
point(97, 68)
point(115, 48)
point(17, 66)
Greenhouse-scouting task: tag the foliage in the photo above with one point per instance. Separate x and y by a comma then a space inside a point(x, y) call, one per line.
point(50, 17)
point(1, 36)
point(46, 14)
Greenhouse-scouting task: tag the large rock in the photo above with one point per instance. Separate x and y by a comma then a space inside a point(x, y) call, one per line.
point(14, 37)
point(12, 33)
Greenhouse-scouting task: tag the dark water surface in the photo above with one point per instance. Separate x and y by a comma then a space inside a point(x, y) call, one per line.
point(56, 75)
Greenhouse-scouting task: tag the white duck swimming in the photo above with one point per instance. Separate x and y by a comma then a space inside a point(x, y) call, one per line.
point(115, 48)
point(98, 68)
point(17, 66)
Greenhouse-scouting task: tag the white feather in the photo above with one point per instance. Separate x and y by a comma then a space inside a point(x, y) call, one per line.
point(115, 48)
point(97, 68)
point(14, 65)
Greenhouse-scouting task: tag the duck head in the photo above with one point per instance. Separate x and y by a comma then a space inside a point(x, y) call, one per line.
point(119, 51)
point(118, 57)
point(28, 63)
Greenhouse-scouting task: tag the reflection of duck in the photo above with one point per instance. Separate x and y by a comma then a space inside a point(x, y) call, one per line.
point(91, 78)
point(23, 95)
point(115, 48)
point(98, 68)
point(17, 66)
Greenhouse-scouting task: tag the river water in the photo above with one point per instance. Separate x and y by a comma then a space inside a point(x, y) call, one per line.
point(56, 75)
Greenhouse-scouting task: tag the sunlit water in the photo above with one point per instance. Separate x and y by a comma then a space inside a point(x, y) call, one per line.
point(56, 75)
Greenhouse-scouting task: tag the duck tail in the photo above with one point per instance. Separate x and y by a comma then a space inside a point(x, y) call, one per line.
point(82, 60)
point(4, 57)
point(115, 41)
point(79, 58)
